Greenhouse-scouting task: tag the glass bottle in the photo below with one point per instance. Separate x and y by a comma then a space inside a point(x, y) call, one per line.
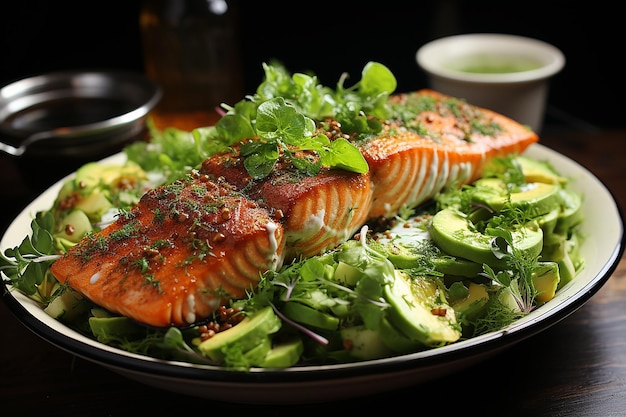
point(191, 49)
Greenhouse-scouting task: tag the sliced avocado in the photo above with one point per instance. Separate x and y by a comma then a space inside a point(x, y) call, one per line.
point(460, 267)
point(249, 333)
point(63, 245)
point(95, 204)
point(112, 174)
point(340, 309)
point(554, 247)
point(548, 221)
point(474, 305)
point(284, 354)
point(402, 252)
point(557, 249)
point(567, 271)
point(542, 197)
point(490, 192)
point(256, 355)
point(480, 214)
point(539, 171)
point(452, 232)
point(303, 314)
point(507, 299)
point(493, 193)
point(364, 343)
point(419, 312)
point(546, 279)
point(404, 259)
point(347, 274)
point(68, 187)
point(95, 174)
point(108, 329)
point(571, 212)
point(67, 306)
point(89, 175)
point(396, 340)
point(92, 184)
point(74, 226)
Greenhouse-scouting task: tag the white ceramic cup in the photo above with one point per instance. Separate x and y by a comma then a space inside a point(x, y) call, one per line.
point(505, 73)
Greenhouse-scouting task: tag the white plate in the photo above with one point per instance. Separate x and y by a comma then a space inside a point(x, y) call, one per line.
point(602, 249)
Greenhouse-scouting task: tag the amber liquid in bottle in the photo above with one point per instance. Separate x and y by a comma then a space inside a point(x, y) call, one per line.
point(191, 50)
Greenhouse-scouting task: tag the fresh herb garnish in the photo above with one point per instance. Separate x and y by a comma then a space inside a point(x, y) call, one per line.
point(281, 120)
point(26, 266)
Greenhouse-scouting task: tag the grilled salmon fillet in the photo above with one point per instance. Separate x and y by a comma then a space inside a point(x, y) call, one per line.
point(454, 142)
point(182, 251)
point(317, 212)
point(188, 247)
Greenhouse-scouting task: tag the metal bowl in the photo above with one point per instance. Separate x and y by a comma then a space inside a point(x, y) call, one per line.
point(74, 113)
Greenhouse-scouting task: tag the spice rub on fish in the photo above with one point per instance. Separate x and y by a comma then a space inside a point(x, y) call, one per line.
point(181, 252)
point(442, 141)
point(318, 212)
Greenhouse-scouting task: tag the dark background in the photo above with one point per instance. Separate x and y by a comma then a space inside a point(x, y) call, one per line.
point(331, 37)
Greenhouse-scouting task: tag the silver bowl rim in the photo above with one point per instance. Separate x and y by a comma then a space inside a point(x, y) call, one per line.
point(75, 84)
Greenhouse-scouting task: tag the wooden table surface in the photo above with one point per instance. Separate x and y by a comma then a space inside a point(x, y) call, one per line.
point(574, 368)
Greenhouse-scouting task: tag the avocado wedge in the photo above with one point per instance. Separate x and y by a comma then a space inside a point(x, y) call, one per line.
point(251, 332)
point(539, 171)
point(455, 235)
point(419, 311)
point(493, 193)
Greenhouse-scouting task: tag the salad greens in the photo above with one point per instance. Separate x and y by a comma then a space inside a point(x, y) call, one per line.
point(282, 115)
point(471, 261)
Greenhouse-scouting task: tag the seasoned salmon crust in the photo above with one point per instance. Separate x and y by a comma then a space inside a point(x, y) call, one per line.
point(184, 250)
